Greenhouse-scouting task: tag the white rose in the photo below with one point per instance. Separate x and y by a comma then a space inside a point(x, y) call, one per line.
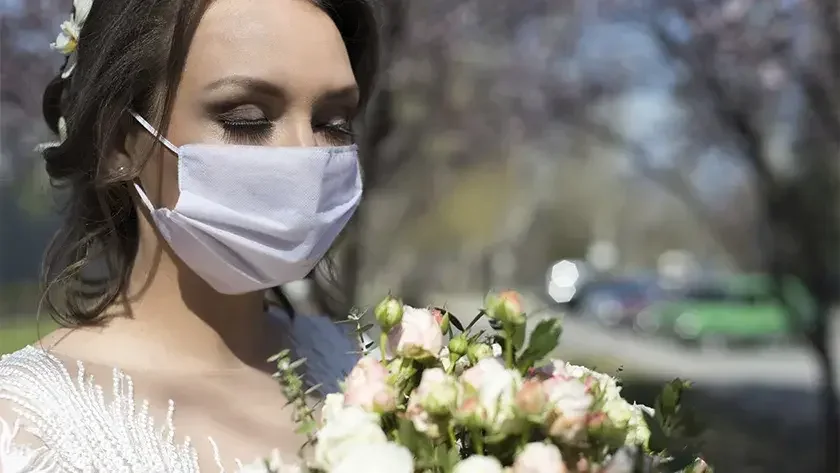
point(417, 336)
point(538, 457)
point(479, 464)
point(496, 388)
point(376, 458)
point(422, 420)
point(435, 397)
point(333, 405)
point(258, 466)
point(275, 465)
point(437, 392)
point(345, 433)
point(619, 412)
point(638, 432)
point(569, 396)
point(606, 383)
point(478, 375)
point(570, 403)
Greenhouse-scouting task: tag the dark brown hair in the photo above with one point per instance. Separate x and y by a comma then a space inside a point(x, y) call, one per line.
point(130, 55)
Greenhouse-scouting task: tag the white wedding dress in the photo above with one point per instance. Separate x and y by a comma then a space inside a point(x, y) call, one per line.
point(63, 423)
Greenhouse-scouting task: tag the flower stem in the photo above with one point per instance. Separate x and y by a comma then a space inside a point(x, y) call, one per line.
point(452, 436)
point(383, 340)
point(509, 331)
point(478, 445)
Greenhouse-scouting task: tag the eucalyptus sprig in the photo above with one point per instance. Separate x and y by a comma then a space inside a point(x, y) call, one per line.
point(360, 331)
point(297, 394)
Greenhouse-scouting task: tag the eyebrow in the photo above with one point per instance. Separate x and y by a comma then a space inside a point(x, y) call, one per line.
point(347, 94)
point(245, 82)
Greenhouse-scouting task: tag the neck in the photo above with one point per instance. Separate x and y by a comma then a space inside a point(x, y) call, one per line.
point(179, 319)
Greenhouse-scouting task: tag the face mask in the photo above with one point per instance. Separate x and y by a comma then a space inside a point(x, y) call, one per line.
point(253, 217)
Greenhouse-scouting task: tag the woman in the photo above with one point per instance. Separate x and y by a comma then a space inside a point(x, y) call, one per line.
point(207, 154)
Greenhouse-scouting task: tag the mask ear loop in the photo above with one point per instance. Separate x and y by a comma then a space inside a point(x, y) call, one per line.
point(148, 126)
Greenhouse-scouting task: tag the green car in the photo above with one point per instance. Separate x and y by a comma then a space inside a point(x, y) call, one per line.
point(741, 308)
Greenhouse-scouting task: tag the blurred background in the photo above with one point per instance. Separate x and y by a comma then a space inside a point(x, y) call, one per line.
point(663, 174)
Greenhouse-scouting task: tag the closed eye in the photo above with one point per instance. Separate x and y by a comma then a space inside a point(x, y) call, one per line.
point(336, 132)
point(246, 124)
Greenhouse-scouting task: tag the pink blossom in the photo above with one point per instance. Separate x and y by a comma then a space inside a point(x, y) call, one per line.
point(417, 336)
point(367, 387)
point(531, 399)
point(570, 401)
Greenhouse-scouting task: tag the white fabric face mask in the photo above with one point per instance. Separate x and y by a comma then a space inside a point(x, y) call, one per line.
point(253, 217)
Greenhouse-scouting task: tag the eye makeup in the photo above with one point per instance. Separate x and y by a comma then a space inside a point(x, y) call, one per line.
point(246, 124)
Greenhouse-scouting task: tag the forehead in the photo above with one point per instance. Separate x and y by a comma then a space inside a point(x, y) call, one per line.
point(291, 42)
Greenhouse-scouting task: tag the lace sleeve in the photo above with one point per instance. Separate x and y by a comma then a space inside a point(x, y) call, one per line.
point(20, 451)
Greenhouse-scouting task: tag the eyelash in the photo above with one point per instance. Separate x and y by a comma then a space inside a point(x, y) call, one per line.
point(247, 131)
point(257, 132)
point(339, 132)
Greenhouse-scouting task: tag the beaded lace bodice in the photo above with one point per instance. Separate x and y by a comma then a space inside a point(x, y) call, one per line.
point(75, 425)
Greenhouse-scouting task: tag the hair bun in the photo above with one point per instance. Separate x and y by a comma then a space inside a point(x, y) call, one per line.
point(52, 103)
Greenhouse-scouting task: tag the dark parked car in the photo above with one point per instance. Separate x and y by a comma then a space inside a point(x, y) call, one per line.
point(616, 302)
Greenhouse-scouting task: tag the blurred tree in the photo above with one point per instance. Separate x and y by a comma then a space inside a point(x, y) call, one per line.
point(758, 80)
point(28, 64)
point(742, 61)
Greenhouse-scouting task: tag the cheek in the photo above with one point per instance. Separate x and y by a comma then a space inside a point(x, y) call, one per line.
point(159, 178)
point(160, 175)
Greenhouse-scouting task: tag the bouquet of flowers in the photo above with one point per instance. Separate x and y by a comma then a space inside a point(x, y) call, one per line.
point(439, 396)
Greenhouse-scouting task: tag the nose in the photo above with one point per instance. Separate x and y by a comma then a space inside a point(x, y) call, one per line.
point(296, 131)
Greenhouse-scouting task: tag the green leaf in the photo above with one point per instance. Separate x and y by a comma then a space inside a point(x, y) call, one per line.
point(445, 458)
point(681, 460)
point(518, 337)
point(495, 438)
point(658, 438)
point(474, 337)
point(407, 435)
point(452, 319)
point(475, 319)
point(671, 395)
point(313, 389)
point(544, 339)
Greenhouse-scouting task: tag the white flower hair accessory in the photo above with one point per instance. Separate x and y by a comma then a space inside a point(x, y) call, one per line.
point(68, 40)
point(62, 135)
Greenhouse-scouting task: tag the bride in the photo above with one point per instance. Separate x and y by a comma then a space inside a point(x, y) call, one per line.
point(207, 156)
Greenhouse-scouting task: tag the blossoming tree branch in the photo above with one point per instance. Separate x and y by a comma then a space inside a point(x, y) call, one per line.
point(436, 395)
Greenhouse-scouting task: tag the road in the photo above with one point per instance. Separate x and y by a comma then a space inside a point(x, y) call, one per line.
point(782, 367)
point(779, 382)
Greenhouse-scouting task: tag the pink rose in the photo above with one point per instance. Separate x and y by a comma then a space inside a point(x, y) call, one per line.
point(484, 370)
point(531, 399)
point(417, 336)
point(505, 307)
point(496, 388)
point(438, 392)
point(367, 387)
point(538, 457)
point(570, 401)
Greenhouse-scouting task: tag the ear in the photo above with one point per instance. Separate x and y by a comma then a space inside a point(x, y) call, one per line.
point(122, 164)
